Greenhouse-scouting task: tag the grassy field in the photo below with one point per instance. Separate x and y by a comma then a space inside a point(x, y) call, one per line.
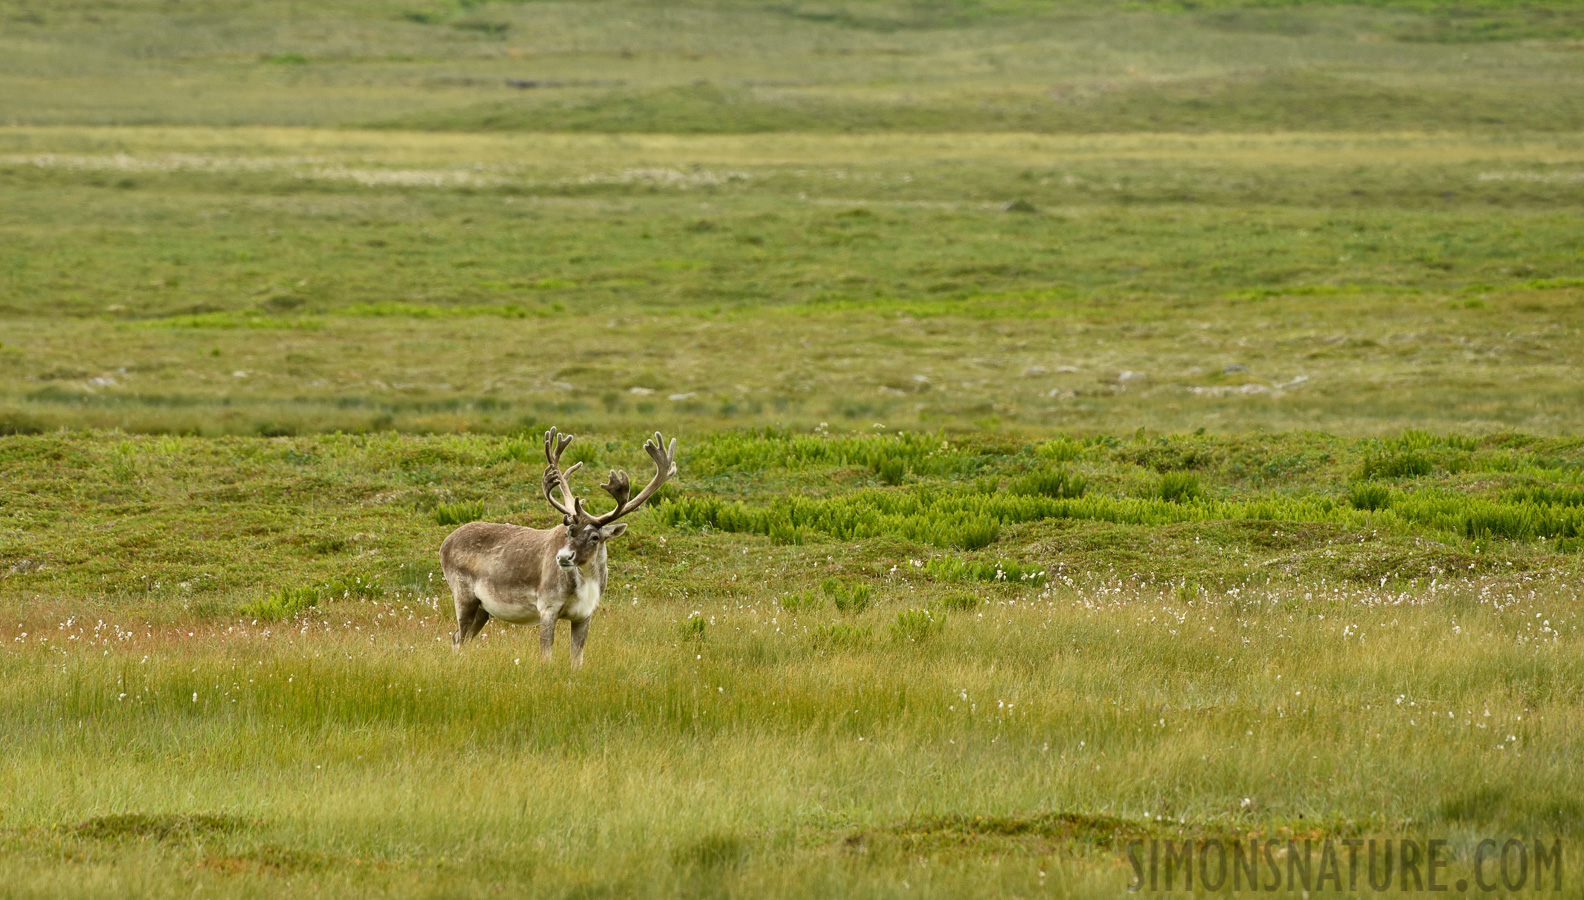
point(281, 281)
point(1313, 637)
point(1099, 422)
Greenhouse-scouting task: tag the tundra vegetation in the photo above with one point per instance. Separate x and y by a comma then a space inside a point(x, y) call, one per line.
point(1098, 422)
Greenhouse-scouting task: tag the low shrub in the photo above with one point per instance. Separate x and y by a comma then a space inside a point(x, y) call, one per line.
point(801, 601)
point(784, 532)
point(285, 603)
point(917, 625)
point(693, 628)
point(1402, 464)
point(1057, 483)
point(1523, 521)
point(1549, 495)
point(1179, 487)
point(1369, 496)
point(922, 454)
point(977, 533)
point(945, 568)
point(852, 600)
point(355, 587)
point(891, 470)
point(517, 450)
point(840, 636)
point(459, 513)
point(1061, 449)
point(961, 602)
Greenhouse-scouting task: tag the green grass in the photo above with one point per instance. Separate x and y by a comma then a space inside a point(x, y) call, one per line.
point(357, 307)
point(1368, 211)
point(719, 660)
point(1101, 703)
point(1098, 422)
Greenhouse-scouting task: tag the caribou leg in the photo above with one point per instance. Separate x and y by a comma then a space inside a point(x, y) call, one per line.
point(480, 619)
point(469, 612)
point(547, 633)
point(579, 636)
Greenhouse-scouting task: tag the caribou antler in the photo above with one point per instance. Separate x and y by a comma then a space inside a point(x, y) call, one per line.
point(569, 507)
point(620, 486)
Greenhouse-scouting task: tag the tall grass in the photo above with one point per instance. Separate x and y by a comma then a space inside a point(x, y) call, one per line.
point(248, 750)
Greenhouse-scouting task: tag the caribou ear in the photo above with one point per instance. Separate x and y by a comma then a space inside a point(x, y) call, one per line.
point(614, 531)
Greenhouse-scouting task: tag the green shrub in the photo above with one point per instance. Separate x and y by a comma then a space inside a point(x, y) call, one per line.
point(1549, 495)
point(839, 636)
point(784, 532)
point(917, 625)
point(693, 628)
point(946, 568)
point(1179, 487)
point(1522, 522)
point(1413, 439)
point(357, 587)
point(517, 450)
point(1061, 449)
point(922, 454)
point(977, 533)
point(961, 515)
point(802, 601)
point(285, 603)
point(961, 602)
point(1369, 496)
point(1513, 522)
point(852, 600)
point(584, 452)
point(1055, 483)
point(459, 513)
point(891, 470)
point(1403, 464)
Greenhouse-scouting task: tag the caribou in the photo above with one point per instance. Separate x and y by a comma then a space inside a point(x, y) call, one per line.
point(538, 576)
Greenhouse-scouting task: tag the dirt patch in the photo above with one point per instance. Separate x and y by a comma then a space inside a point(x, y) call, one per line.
point(164, 827)
point(275, 859)
point(1037, 835)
